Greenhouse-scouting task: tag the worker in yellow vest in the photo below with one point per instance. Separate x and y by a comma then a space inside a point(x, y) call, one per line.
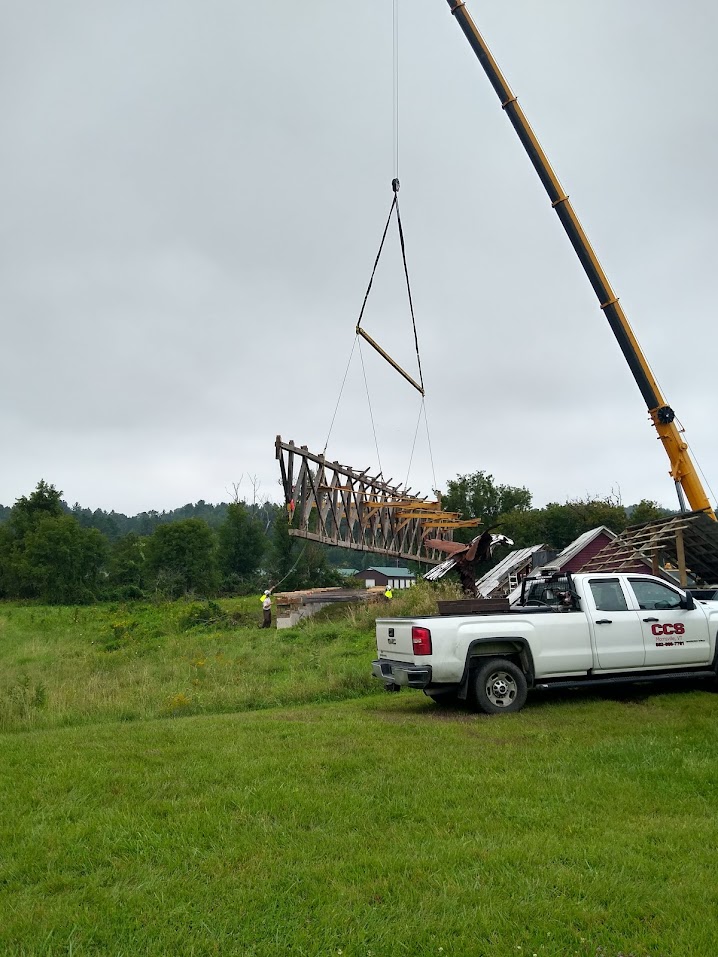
point(266, 600)
point(388, 593)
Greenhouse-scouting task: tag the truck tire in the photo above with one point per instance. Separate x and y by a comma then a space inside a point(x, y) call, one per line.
point(500, 685)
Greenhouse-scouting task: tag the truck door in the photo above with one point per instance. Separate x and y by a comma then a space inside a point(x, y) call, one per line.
point(616, 628)
point(672, 635)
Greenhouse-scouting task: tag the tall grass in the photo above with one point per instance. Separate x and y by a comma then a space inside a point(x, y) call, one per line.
point(124, 662)
point(298, 810)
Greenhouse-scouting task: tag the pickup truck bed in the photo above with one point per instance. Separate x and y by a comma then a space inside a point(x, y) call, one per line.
point(619, 628)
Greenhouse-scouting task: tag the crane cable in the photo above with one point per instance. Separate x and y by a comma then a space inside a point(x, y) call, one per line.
point(395, 184)
point(395, 78)
point(371, 413)
point(394, 206)
point(273, 588)
point(422, 408)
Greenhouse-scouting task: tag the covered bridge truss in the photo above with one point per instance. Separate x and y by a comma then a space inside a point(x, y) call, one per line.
point(331, 503)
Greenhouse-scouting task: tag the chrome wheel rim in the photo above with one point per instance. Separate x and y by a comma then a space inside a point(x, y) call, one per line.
point(501, 688)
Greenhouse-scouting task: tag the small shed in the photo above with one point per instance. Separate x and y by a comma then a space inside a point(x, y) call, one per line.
point(386, 576)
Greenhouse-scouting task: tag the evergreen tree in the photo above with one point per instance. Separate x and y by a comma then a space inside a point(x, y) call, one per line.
point(27, 511)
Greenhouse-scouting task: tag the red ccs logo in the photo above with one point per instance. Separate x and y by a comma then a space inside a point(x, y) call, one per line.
point(670, 628)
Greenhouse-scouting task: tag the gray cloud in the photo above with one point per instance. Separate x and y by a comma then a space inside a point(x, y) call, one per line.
point(193, 195)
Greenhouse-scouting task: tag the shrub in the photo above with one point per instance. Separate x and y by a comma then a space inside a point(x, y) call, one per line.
point(202, 613)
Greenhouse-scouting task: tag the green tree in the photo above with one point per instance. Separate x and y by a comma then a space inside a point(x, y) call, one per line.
point(242, 543)
point(182, 557)
point(479, 496)
point(646, 511)
point(62, 562)
point(297, 564)
point(284, 551)
point(525, 528)
point(7, 575)
point(28, 510)
point(46, 554)
point(126, 568)
point(314, 570)
point(103, 521)
point(558, 525)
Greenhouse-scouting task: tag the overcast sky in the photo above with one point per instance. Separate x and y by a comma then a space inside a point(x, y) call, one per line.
point(192, 197)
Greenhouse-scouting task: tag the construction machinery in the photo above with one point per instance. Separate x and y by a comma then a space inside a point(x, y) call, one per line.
point(682, 470)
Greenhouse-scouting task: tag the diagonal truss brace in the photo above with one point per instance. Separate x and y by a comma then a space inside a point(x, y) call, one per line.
point(334, 504)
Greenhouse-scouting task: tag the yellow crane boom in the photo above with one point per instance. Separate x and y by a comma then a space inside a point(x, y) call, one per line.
point(682, 470)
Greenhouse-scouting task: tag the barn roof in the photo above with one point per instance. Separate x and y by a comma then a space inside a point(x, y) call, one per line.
point(578, 545)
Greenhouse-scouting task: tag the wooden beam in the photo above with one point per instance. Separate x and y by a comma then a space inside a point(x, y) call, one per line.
point(681, 556)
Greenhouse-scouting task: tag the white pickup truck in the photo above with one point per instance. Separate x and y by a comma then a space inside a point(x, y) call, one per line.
point(607, 628)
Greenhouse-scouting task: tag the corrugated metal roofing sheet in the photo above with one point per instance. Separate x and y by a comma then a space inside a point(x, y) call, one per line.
point(513, 560)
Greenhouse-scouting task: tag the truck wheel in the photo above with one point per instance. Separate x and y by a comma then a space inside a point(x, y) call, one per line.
point(500, 685)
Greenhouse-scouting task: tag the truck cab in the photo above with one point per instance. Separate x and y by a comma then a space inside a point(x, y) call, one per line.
point(572, 630)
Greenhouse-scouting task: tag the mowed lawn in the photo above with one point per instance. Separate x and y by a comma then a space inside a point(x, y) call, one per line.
point(362, 824)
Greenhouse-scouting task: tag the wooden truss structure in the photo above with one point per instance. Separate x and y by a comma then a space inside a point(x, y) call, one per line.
point(334, 504)
point(688, 543)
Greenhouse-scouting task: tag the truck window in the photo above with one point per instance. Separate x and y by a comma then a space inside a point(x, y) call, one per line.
point(654, 595)
point(608, 595)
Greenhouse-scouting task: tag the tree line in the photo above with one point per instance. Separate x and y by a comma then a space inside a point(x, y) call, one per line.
point(556, 525)
point(57, 554)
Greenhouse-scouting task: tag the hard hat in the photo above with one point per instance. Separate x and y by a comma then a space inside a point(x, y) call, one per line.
point(267, 591)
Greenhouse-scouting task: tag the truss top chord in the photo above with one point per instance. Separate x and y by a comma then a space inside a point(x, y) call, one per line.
point(335, 505)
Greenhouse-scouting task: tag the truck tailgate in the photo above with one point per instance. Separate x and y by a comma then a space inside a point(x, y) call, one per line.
point(393, 638)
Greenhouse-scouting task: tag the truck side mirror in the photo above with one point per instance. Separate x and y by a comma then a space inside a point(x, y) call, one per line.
point(688, 602)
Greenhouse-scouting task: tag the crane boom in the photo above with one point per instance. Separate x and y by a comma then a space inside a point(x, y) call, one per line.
point(682, 470)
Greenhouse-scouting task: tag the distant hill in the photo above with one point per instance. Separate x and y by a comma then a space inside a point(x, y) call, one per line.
point(116, 525)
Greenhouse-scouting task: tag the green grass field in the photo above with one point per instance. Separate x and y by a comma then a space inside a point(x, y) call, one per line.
point(169, 787)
